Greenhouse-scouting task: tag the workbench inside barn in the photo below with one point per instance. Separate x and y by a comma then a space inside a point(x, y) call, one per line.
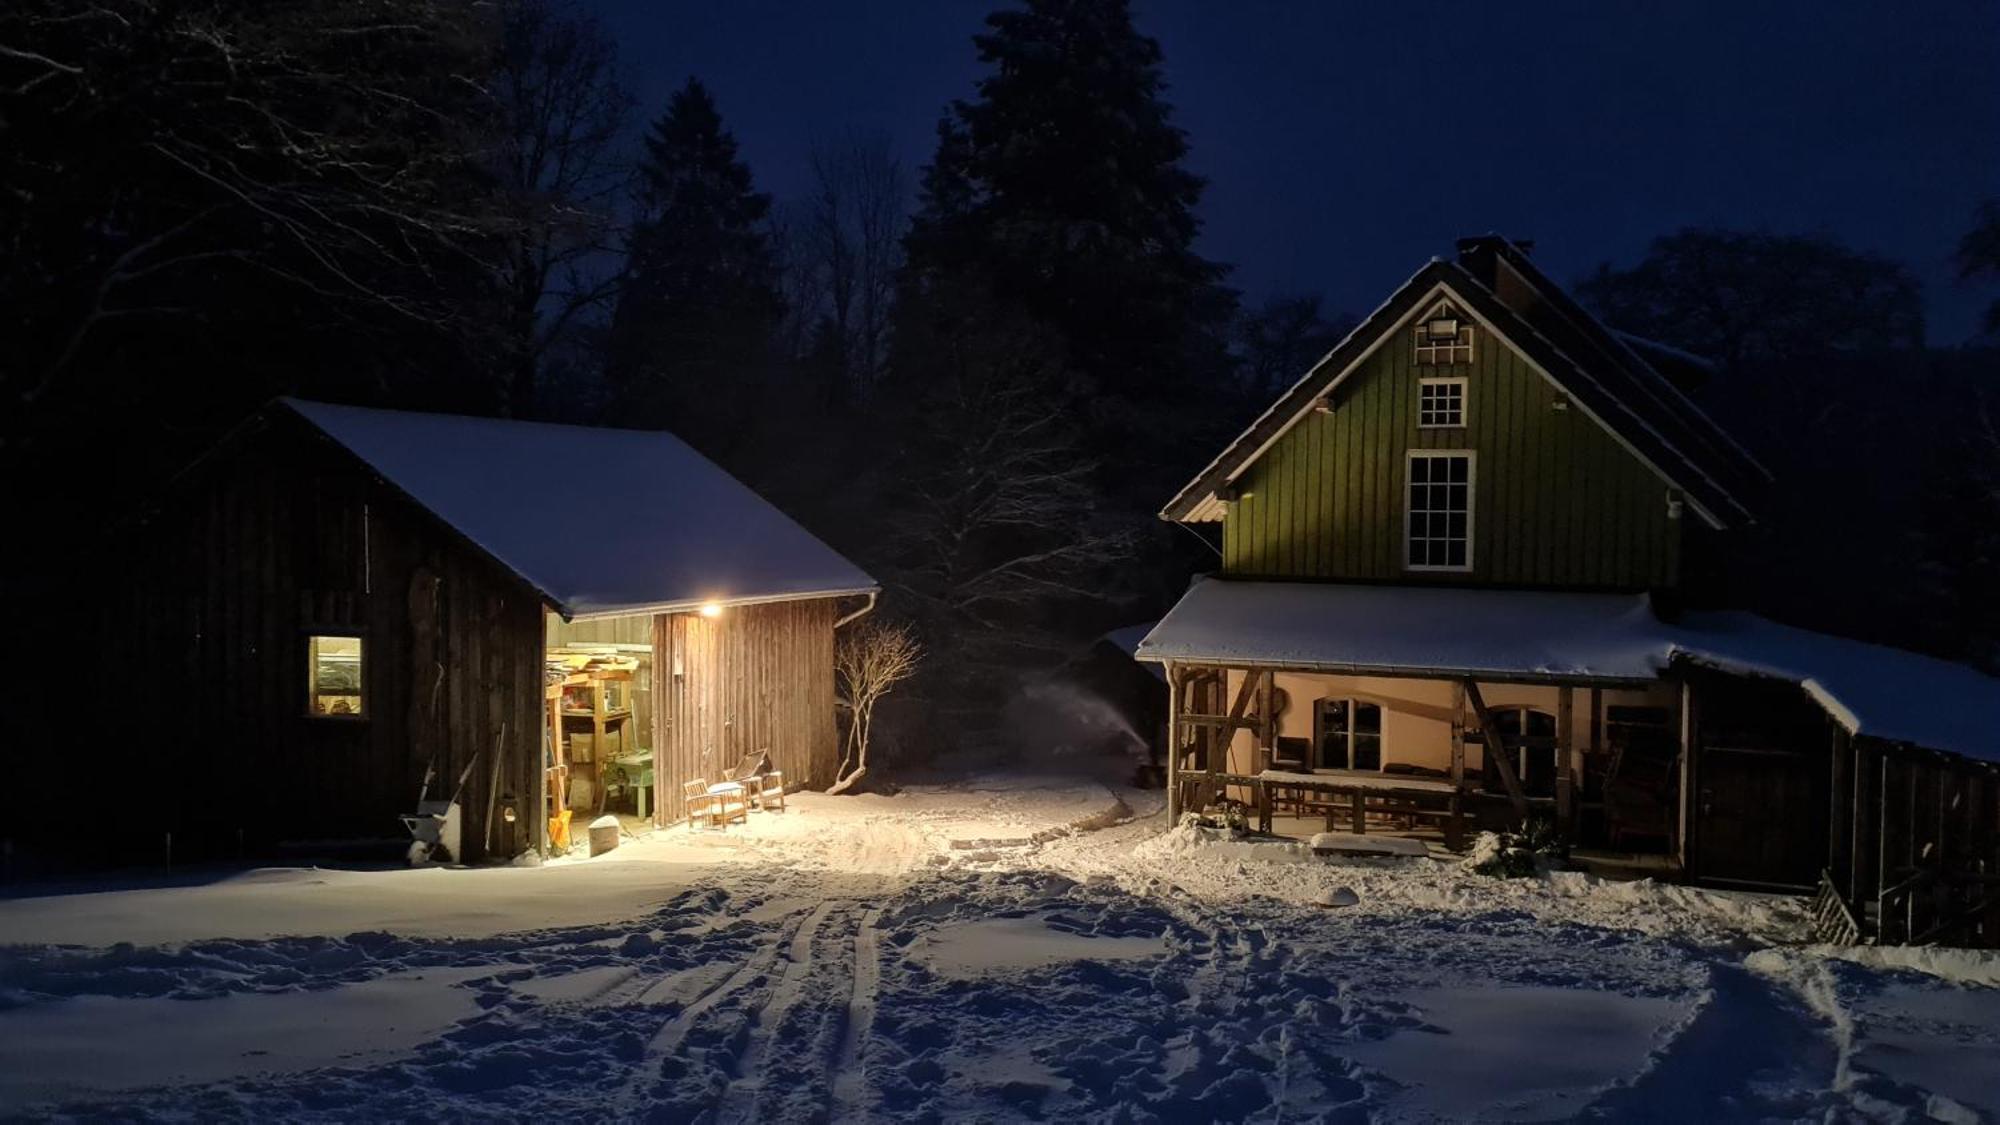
point(590, 693)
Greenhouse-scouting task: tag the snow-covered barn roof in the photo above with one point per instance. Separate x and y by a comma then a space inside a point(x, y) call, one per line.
point(1610, 638)
point(601, 522)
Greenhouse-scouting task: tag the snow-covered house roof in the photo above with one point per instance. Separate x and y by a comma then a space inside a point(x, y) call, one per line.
point(1608, 638)
point(601, 522)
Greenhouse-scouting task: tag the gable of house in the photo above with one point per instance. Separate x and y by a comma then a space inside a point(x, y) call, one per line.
point(1572, 473)
point(1555, 499)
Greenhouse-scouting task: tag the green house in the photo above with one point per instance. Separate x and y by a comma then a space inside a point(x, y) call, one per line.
point(1455, 557)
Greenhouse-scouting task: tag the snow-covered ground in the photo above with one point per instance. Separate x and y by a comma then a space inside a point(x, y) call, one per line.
point(1015, 949)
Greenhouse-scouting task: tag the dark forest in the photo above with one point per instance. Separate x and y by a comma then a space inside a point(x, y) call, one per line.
point(976, 370)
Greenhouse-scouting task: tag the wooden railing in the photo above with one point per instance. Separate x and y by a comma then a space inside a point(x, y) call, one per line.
point(1832, 920)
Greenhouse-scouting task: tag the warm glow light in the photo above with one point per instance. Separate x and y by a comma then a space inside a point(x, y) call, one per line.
point(711, 609)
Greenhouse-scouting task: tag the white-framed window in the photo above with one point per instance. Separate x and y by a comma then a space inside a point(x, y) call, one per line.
point(1347, 734)
point(1444, 335)
point(1441, 403)
point(1438, 524)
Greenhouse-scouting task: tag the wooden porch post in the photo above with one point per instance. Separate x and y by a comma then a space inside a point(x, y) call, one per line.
point(1173, 745)
point(1838, 825)
point(1454, 825)
point(1496, 750)
point(1267, 721)
point(1690, 777)
point(1458, 734)
point(1565, 762)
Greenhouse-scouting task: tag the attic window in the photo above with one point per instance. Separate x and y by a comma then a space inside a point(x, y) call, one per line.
point(1441, 403)
point(1444, 336)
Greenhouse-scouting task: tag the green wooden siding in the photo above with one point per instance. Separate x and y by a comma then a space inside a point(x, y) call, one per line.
point(1557, 500)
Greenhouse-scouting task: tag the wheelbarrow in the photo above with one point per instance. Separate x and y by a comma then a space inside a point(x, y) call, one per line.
point(435, 825)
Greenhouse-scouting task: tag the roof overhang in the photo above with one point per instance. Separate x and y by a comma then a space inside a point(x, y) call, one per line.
point(693, 605)
point(1535, 636)
point(1411, 631)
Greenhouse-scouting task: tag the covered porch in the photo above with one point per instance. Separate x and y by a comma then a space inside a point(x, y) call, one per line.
point(1726, 748)
point(1420, 711)
point(1441, 757)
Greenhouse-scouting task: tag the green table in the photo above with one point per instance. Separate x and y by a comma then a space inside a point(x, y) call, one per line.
point(638, 771)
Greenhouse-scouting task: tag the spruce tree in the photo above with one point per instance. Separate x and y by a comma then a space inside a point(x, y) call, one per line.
point(691, 336)
point(1062, 182)
point(1058, 192)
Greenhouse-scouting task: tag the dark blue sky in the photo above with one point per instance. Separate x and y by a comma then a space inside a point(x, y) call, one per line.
point(1346, 143)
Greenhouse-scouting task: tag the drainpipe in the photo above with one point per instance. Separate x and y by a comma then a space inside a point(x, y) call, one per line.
point(872, 594)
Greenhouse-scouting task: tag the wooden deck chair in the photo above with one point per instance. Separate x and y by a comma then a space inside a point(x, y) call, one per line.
point(771, 788)
point(701, 804)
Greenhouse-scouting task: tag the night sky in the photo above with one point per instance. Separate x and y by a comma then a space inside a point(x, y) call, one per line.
point(1346, 143)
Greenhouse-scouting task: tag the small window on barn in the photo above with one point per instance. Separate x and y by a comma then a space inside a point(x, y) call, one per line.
point(1441, 403)
point(1444, 336)
point(333, 671)
point(1439, 519)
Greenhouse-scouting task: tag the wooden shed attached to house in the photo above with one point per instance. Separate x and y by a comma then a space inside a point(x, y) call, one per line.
point(338, 601)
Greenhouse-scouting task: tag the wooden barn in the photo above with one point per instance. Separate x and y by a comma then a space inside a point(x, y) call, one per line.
point(337, 602)
point(1457, 561)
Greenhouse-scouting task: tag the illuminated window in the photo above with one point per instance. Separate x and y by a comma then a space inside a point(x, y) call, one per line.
point(1444, 336)
point(1441, 403)
point(333, 677)
point(1439, 511)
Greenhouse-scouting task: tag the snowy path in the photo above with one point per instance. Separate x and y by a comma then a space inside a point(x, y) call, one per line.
point(1121, 973)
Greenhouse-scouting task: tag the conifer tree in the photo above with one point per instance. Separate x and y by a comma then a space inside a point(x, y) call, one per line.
point(691, 336)
point(1062, 180)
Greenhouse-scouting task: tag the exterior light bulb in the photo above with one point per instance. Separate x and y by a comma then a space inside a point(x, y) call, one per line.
point(711, 609)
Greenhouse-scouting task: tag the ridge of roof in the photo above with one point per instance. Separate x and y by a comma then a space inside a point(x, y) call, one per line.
point(1576, 378)
point(1646, 378)
point(1633, 339)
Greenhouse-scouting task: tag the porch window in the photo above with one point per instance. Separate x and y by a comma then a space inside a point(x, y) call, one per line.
point(1530, 738)
point(1441, 403)
point(333, 677)
point(1347, 734)
point(1440, 511)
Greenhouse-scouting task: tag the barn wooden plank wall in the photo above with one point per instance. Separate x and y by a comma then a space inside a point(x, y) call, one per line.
point(228, 581)
point(1557, 501)
point(754, 678)
point(1916, 845)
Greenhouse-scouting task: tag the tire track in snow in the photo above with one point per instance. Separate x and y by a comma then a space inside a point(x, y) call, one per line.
point(850, 1076)
point(739, 1101)
point(674, 1031)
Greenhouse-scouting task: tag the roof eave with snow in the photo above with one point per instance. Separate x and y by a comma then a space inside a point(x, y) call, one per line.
point(597, 522)
point(1576, 638)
